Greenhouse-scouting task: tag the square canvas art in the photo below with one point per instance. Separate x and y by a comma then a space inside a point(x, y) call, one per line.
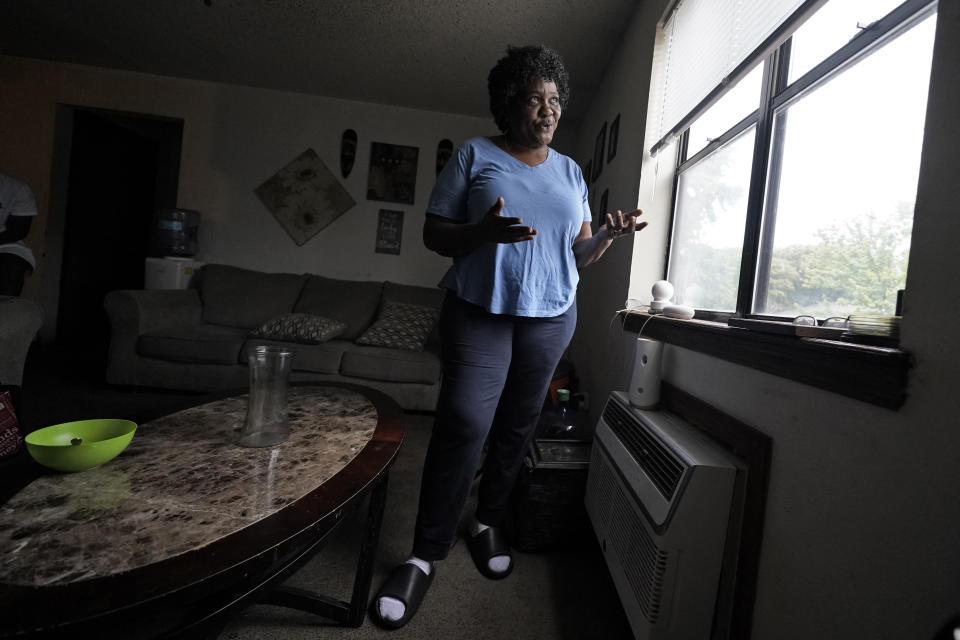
point(304, 196)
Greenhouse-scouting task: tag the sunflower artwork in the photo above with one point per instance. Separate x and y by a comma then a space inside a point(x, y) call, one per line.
point(304, 196)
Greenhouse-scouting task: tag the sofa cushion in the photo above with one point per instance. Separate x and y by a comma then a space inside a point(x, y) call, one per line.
point(401, 326)
point(391, 365)
point(354, 302)
point(237, 297)
point(203, 343)
point(323, 357)
point(300, 327)
point(412, 294)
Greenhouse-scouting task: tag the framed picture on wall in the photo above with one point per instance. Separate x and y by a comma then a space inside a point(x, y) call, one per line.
point(598, 151)
point(389, 231)
point(614, 135)
point(393, 173)
point(304, 196)
point(602, 211)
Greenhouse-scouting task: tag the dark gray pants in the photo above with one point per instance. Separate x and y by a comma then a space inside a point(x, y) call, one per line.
point(496, 372)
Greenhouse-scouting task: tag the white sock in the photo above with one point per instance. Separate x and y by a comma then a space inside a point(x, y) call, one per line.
point(498, 564)
point(393, 609)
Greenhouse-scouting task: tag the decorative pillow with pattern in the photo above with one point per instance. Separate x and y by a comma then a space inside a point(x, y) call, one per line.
point(401, 326)
point(300, 327)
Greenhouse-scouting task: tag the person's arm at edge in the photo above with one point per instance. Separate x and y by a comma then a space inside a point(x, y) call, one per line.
point(587, 248)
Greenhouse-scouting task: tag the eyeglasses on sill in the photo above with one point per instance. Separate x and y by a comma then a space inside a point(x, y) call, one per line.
point(835, 322)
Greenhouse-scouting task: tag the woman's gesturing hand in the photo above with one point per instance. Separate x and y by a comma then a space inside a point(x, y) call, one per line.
point(453, 239)
point(622, 223)
point(501, 229)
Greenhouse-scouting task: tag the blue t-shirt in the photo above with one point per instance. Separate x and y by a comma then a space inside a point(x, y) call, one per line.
point(535, 278)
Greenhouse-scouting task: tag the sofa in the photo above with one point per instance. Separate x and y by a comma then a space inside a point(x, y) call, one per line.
point(377, 334)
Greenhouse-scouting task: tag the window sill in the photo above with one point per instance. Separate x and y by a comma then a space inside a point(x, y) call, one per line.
point(876, 375)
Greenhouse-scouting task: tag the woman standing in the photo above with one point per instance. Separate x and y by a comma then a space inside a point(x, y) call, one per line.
point(508, 317)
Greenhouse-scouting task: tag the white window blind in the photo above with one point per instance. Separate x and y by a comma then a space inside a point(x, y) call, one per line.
point(701, 43)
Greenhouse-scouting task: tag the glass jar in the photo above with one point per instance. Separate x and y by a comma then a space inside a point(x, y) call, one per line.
point(267, 422)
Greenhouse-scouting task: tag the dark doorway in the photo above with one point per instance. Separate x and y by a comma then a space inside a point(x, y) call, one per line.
point(122, 168)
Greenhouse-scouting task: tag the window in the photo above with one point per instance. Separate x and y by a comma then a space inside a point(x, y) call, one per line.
point(732, 107)
point(795, 187)
point(705, 265)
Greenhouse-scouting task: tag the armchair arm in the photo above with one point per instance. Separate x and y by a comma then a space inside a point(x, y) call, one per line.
point(131, 313)
point(20, 319)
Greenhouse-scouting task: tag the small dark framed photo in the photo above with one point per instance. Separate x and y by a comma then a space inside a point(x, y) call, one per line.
point(613, 138)
point(598, 151)
point(602, 213)
point(389, 231)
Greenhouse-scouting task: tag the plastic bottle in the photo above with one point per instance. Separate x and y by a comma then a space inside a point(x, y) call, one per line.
point(176, 232)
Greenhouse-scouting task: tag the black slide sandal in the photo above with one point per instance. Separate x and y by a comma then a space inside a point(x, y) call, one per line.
point(408, 584)
point(485, 545)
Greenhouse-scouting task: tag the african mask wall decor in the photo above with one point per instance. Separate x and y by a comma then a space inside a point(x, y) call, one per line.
point(444, 151)
point(348, 151)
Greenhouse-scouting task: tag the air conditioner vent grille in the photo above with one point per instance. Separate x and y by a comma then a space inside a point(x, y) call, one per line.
point(644, 564)
point(600, 488)
point(662, 467)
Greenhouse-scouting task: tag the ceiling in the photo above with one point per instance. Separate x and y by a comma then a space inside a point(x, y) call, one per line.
point(426, 54)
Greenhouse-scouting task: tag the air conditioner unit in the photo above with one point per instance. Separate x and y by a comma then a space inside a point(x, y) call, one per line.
point(666, 504)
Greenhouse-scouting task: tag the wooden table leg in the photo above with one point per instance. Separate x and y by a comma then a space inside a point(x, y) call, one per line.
point(368, 553)
point(348, 613)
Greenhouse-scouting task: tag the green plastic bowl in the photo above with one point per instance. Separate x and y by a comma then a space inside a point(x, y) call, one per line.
point(80, 445)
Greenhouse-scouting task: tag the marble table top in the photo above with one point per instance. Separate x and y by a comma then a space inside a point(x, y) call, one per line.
point(180, 484)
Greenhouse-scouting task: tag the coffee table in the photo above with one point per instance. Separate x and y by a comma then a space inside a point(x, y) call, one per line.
point(185, 527)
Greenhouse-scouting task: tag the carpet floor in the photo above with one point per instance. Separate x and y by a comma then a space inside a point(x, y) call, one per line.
point(563, 593)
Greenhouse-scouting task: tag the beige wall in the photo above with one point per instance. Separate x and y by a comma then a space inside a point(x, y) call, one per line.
point(234, 138)
point(862, 533)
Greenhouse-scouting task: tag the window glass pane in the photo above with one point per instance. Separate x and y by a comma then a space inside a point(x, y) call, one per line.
point(708, 226)
point(848, 185)
point(835, 24)
point(739, 102)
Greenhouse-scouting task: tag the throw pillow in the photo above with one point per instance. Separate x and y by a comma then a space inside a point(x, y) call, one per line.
point(300, 327)
point(401, 326)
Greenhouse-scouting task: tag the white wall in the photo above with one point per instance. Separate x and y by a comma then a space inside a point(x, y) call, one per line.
point(234, 138)
point(862, 532)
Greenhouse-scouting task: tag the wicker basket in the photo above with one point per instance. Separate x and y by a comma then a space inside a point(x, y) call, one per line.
point(548, 508)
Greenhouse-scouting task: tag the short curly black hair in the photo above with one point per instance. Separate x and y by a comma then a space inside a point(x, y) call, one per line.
point(514, 72)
